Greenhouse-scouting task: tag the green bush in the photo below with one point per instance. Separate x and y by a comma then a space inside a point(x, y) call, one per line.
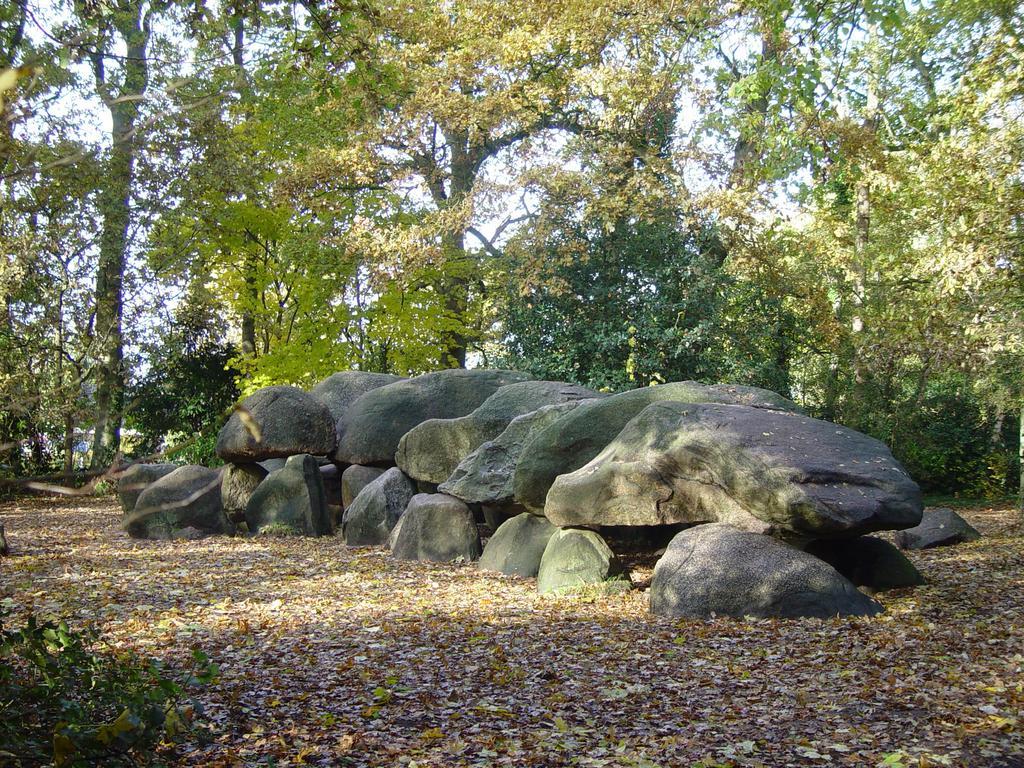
point(182, 400)
point(200, 448)
point(946, 441)
point(69, 700)
point(636, 305)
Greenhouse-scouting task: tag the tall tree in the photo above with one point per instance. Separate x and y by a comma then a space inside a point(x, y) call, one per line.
point(472, 88)
point(121, 82)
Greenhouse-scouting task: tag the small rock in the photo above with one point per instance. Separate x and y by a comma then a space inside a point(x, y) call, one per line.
point(137, 478)
point(354, 479)
point(868, 562)
point(330, 475)
point(940, 527)
point(188, 497)
point(189, 534)
point(576, 558)
point(517, 546)
point(238, 483)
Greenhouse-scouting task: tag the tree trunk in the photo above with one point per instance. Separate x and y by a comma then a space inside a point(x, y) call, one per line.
point(455, 289)
point(132, 23)
point(249, 307)
point(248, 319)
point(455, 282)
point(996, 436)
point(862, 227)
point(747, 151)
point(1020, 456)
point(108, 333)
point(69, 444)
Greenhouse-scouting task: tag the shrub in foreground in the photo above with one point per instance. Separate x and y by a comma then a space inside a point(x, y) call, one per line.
point(68, 699)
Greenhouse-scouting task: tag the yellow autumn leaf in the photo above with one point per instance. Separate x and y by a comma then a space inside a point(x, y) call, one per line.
point(250, 424)
point(124, 723)
point(63, 748)
point(8, 79)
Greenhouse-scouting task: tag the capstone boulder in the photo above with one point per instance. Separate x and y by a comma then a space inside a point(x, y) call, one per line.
point(754, 468)
point(486, 475)
point(277, 422)
point(374, 424)
point(431, 451)
point(338, 391)
point(578, 436)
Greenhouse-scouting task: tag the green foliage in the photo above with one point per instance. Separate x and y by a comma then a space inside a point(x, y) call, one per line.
point(197, 448)
point(829, 206)
point(180, 404)
point(948, 442)
point(642, 304)
point(104, 488)
point(630, 307)
point(70, 701)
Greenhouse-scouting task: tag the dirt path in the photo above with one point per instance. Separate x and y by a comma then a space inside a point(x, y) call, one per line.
point(332, 656)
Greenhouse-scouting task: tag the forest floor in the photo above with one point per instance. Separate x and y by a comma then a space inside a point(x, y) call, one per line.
point(334, 656)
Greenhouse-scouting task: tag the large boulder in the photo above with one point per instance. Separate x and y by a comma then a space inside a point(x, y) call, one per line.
point(237, 486)
point(354, 479)
point(371, 429)
point(276, 422)
point(575, 559)
point(578, 436)
point(485, 475)
point(432, 450)
point(761, 470)
point(188, 497)
point(290, 501)
point(370, 518)
point(518, 545)
point(719, 570)
point(338, 391)
point(939, 527)
point(437, 528)
point(134, 480)
point(868, 561)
